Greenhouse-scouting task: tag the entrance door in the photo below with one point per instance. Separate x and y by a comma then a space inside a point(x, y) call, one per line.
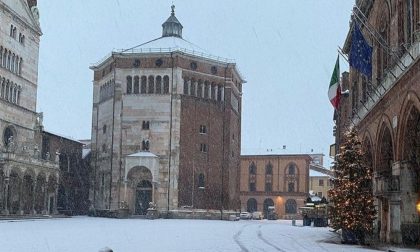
point(51, 206)
point(143, 197)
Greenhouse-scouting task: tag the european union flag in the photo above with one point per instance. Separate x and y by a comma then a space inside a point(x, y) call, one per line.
point(360, 53)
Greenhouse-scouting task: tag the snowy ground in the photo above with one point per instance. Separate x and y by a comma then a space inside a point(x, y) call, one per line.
point(92, 234)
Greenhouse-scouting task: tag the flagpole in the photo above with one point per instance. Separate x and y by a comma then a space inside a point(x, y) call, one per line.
point(342, 55)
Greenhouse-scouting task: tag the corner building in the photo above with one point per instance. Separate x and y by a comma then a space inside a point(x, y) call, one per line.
point(386, 111)
point(281, 181)
point(166, 127)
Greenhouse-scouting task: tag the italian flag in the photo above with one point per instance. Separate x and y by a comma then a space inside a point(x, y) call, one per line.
point(334, 91)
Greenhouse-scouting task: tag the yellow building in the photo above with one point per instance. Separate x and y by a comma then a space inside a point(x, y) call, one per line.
point(274, 180)
point(319, 183)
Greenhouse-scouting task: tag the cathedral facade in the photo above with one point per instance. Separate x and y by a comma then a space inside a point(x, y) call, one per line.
point(28, 180)
point(166, 127)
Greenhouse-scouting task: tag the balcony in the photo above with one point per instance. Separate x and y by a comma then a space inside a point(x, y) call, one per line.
point(386, 184)
point(401, 66)
point(6, 157)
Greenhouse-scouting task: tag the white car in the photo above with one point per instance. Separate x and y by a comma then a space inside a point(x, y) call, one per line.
point(245, 216)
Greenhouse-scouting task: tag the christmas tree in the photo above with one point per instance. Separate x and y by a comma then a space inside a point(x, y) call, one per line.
point(351, 199)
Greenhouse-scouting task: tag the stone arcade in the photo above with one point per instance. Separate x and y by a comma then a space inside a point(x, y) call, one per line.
point(386, 111)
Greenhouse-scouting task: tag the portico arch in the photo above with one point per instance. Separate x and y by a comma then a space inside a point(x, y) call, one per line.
point(52, 187)
point(14, 191)
point(28, 191)
point(140, 189)
point(40, 193)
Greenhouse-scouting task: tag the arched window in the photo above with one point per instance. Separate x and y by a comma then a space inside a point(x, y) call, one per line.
point(20, 66)
point(17, 65)
point(129, 84)
point(219, 92)
point(252, 177)
point(291, 187)
point(200, 89)
point(158, 84)
point(151, 84)
point(269, 169)
point(292, 169)
point(252, 169)
point(143, 88)
point(166, 84)
point(192, 87)
point(5, 58)
point(11, 31)
point(2, 86)
point(9, 59)
point(186, 85)
point(206, 89)
point(251, 205)
point(18, 95)
point(213, 91)
point(14, 98)
point(291, 207)
point(269, 177)
point(1, 55)
point(201, 181)
point(291, 179)
point(8, 135)
point(7, 91)
point(12, 65)
point(136, 85)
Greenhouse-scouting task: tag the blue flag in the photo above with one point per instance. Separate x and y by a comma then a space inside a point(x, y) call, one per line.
point(360, 53)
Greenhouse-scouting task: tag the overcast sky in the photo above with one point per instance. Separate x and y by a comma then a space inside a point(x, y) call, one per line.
point(285, 49)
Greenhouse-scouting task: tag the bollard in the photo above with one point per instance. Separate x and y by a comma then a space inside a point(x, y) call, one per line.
point(293, 222)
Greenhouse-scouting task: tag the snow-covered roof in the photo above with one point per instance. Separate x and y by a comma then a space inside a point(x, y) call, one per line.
point(62, 136)
point(85, 152)
point(313, 173)
point(142, 154)
point(169, 44)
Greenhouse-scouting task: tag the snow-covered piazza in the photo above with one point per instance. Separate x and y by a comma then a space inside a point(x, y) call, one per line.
point(93, 234)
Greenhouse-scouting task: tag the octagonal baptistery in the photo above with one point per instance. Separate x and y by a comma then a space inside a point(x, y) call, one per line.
point(166, 127)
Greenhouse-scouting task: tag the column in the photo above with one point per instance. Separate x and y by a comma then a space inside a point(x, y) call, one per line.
point(395, 221)
point(55, 200)
point(45, 190)
point(33, 197)
point(21, 197)
point(6, 196)
point(223, 93)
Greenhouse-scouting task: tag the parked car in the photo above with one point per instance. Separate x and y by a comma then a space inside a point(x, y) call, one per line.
point(245, 216)
point(257, 215)
point(271, 213)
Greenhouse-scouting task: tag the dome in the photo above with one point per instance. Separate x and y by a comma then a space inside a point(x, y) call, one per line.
point(172, 27)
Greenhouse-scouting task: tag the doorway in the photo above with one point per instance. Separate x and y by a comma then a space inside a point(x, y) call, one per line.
point(143, 197)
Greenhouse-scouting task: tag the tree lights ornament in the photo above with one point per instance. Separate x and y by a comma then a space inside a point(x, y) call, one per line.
point(351, 198)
